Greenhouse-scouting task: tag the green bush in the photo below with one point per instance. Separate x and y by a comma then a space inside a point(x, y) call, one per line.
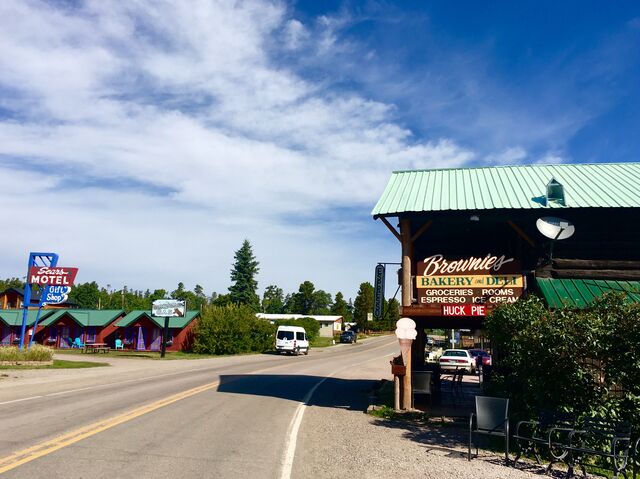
point(232, 329)
point(35, 353)
point(310, 325)
point(582, 361)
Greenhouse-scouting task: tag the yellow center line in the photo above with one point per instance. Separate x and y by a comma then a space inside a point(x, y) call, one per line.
point(47, 447)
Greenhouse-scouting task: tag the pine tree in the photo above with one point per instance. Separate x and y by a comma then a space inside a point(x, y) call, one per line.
point(391, 313)
point(363, 304)
point(341, 308)
point(243, 273)
point(273, 300)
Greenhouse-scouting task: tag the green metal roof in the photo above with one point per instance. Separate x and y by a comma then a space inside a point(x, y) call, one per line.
point(612, 185)
point(85, 317)
point(13, 317)
point(177, 323)
point(579, 293)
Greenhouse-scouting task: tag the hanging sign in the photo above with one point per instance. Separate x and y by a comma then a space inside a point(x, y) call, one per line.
point(470, 286)
point(378, 291)
point(168, 308)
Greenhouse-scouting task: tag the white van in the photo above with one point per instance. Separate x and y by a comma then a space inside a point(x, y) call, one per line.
point(292, 339)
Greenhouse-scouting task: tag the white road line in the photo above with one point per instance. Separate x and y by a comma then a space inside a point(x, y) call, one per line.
point(292, 434)
point(294, 426)
point(19, 400)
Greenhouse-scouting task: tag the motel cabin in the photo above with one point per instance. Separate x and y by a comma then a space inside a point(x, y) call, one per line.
point(140, 331)
point(60, 328)
point(469, 239)
point(11, 324)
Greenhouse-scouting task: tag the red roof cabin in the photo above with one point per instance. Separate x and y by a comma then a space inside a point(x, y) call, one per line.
point(142, 332)
point(60, 328)
point(11, 324)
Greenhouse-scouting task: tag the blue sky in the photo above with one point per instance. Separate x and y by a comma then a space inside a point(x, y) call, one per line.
point(143, 141)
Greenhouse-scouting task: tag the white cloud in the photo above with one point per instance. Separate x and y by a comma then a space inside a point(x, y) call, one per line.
point(189, 100)
point(510, 156)
point(295, 34)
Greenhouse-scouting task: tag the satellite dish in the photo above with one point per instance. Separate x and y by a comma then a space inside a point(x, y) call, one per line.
point(555, 228)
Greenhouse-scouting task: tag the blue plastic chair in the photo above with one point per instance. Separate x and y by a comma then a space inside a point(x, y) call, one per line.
point(77, 343)
point(119, 344)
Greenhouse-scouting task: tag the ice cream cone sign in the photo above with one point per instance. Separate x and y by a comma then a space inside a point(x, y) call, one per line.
point(406, 333)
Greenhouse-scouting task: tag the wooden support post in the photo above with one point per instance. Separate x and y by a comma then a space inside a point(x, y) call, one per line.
point(396, 395)
point(407, 294)
point(406, 385)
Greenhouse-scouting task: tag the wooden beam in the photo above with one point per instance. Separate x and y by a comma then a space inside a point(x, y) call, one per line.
point(610, 274)
point(419, 233)
point(391, 228)
point(407, 287)
point(566, 263)
point(521, 233)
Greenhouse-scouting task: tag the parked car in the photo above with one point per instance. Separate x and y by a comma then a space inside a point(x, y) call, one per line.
point(484, 356)
point(292, 339)
point(349, 337)
point(457, 359)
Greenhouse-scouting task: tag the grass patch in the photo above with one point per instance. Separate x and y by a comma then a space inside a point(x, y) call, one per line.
point(61, 364)
point(321, 342)
point(37, 352)
point(155, 355)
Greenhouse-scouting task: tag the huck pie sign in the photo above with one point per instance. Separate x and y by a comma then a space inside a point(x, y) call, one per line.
point(468, 286)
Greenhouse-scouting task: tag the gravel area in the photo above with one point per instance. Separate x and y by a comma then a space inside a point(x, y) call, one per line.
point(346, 442)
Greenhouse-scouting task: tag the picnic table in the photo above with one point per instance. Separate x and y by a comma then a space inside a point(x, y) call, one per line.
point(96, 348)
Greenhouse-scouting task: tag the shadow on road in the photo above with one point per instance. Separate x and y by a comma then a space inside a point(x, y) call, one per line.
point(349, 394)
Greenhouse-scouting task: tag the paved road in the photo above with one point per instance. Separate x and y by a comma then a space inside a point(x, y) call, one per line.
point(222, 417)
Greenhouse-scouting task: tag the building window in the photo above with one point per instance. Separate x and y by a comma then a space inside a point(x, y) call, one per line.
point(91, 334)
point(128, 335)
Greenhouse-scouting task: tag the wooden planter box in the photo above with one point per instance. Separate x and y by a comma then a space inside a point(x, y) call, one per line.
point(398, 369)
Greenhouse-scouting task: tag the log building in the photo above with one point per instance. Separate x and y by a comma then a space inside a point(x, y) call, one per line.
point(469, 239)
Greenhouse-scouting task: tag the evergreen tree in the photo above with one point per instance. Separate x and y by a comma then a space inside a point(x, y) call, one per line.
point(321, 302)
point(391, 313)
point(308, 300)
point(199, 291)
point(304, 298)
point(158, 294)
point(273, 300)
point(85, 295)
point(363, 305)
point(11, 283)
point(221, 300)
point(243, 273)
point(341, 308)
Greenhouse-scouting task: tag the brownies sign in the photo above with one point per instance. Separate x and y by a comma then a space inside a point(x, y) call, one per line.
point(469, 286)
